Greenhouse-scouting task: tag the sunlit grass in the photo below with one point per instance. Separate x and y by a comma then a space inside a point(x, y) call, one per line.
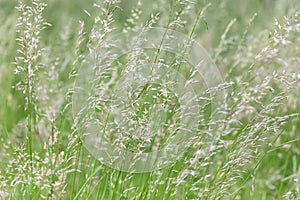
point(251, 153)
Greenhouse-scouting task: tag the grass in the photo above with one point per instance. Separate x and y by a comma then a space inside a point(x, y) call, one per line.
point(245, 137)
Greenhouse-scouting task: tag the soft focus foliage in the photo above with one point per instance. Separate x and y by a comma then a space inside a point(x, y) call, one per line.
point(251, 153)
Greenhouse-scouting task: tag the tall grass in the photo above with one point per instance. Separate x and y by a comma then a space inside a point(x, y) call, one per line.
point(251, 152)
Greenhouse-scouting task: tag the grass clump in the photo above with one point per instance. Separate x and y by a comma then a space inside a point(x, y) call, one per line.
point(251, 152)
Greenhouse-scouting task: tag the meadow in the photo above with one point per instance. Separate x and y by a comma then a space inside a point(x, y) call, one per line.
point(209, 88)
